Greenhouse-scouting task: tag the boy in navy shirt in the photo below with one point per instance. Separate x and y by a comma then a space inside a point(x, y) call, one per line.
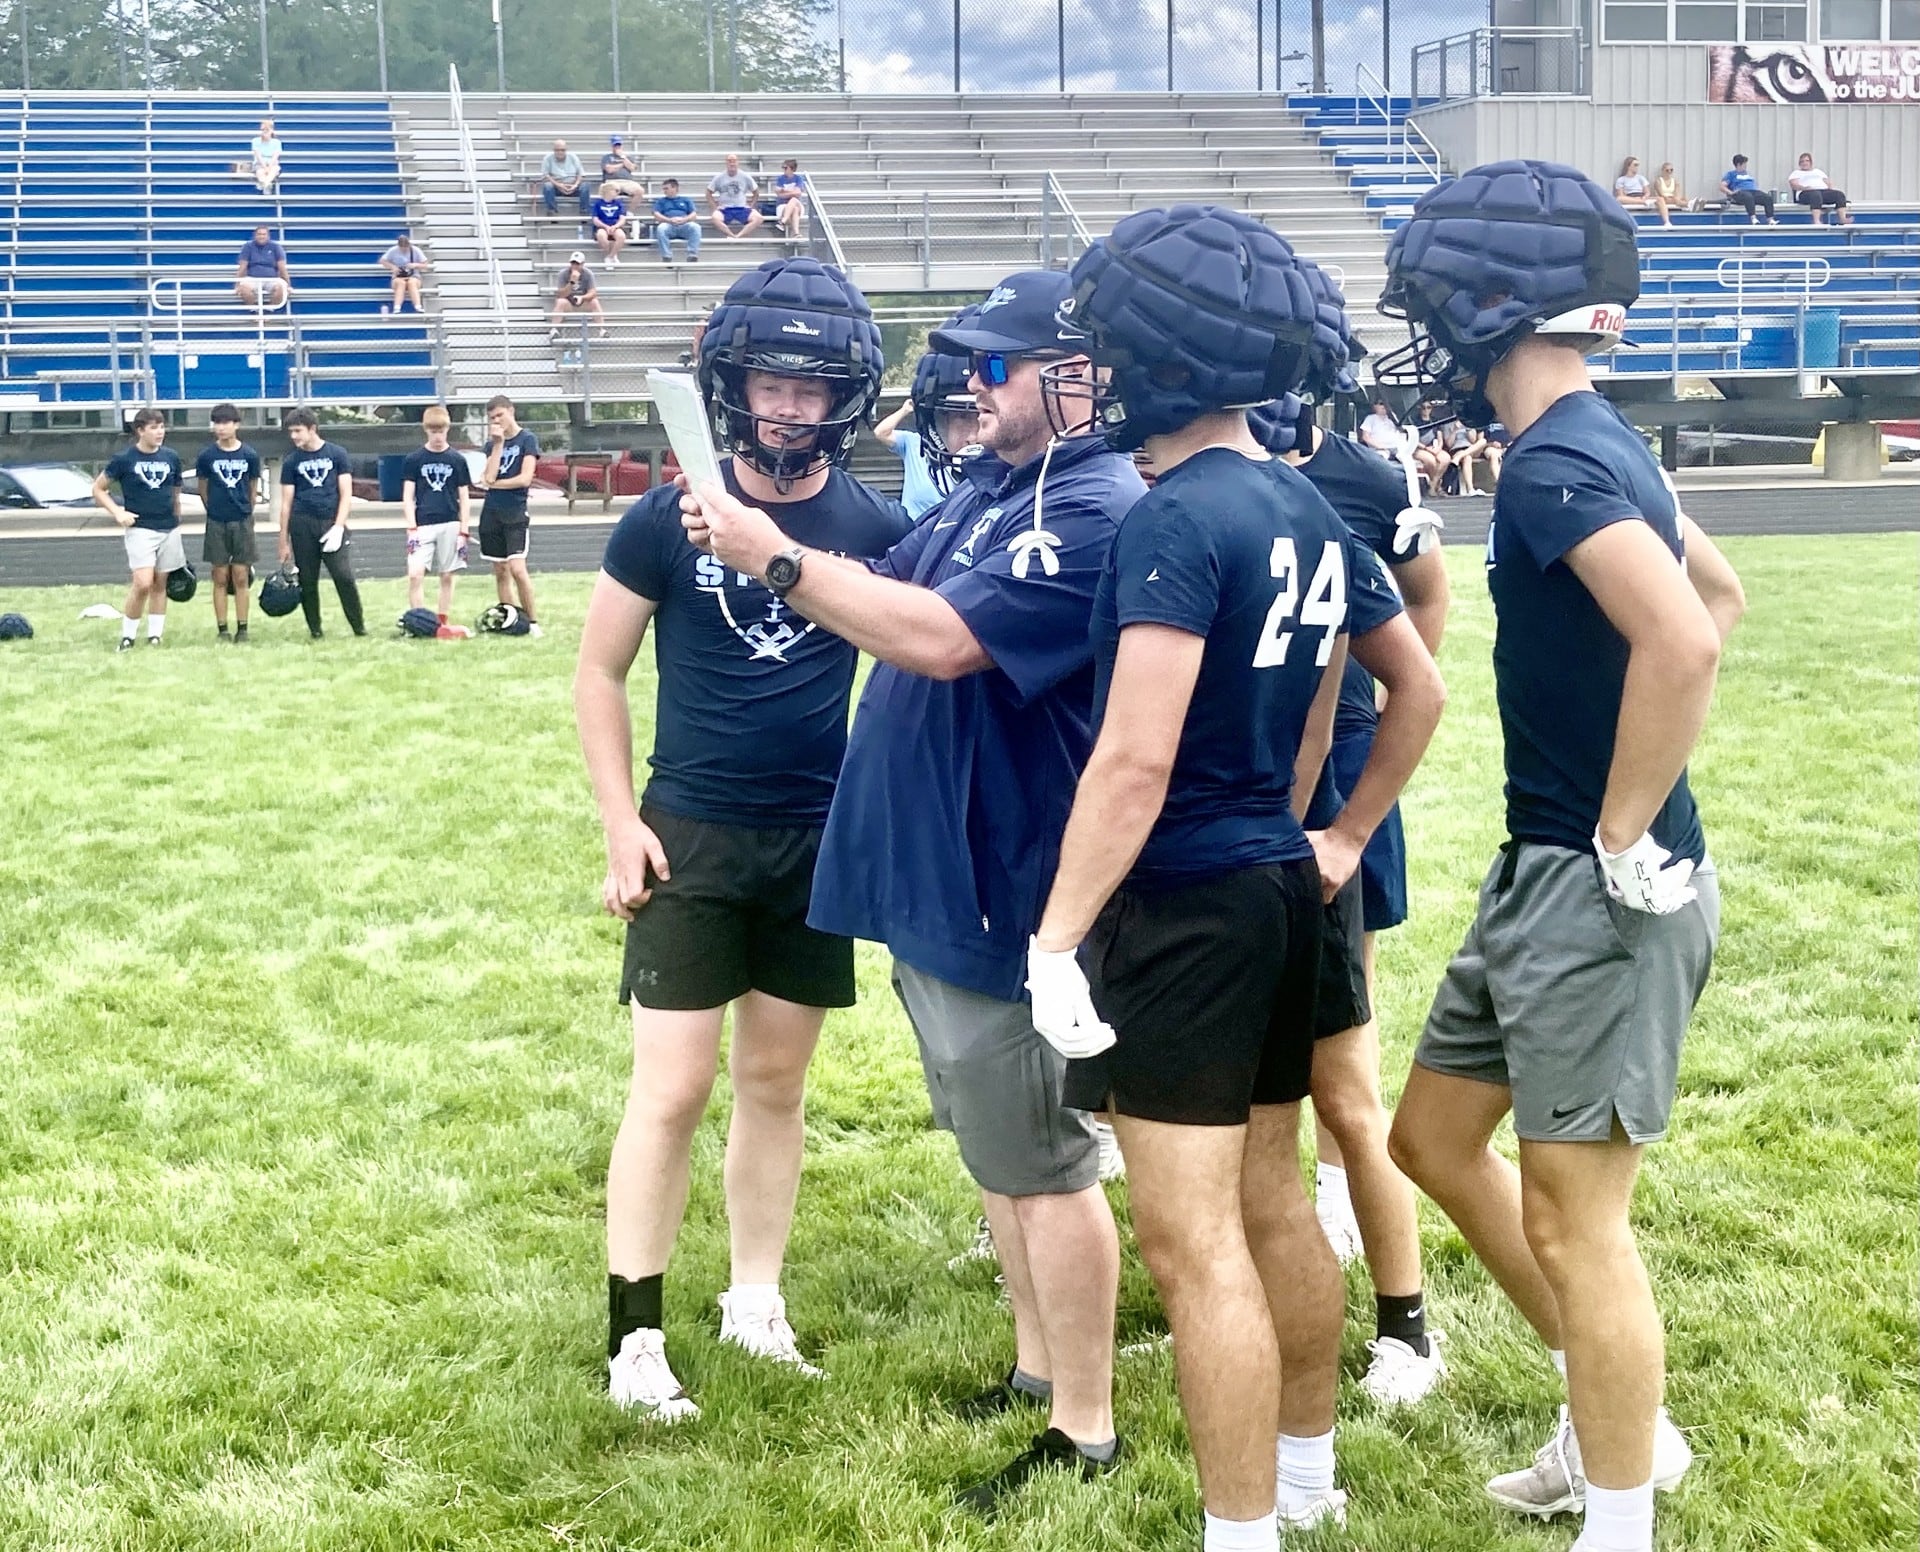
point(229, 473)
point(947, 820)
point(1219, 633)
point(148, 474)
point(673, 217)
point(511, 457)
point(714, 873)
point(316, 499)
point(1567, 1002)
point(433, 495)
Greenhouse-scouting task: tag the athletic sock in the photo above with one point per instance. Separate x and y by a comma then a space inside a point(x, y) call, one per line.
point(632, 1306)
point(441, 618)
point(129, 626)
point(156, 626)
point(1101, 1453)
point(1557, 1356)
point(1030, 1384)
point(1618, 1519)
point(1261, 1535)
point(221, 628)
point(1330, 1190)
point(744, 1298)
point(1403, 1317)
point(1305, 1467)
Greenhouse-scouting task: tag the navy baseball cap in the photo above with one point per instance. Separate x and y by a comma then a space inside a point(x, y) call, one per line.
point(1017, 316)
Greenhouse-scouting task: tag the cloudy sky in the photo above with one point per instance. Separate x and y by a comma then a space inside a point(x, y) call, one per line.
point(1121, 45)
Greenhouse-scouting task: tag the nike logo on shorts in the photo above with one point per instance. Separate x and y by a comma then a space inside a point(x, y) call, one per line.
point(1560, 1113)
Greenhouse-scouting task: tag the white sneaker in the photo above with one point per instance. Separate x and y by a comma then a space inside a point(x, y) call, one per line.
point(1342, 1229)
point(1303, 1511)
point(1112, 1165)
point(641, 1380)
point(1400, 1376)
point(1556, 1483)
point(763, 1331)
point(534, 630)
point(980, 1250)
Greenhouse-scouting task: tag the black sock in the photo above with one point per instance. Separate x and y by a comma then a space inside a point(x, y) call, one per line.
point(631, 1306)
point(1404, 1317)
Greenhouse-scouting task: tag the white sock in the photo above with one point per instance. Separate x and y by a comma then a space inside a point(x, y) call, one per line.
point(1618, 1519)
point(156, 625)
point(129, 625)
point(1558, 1357)
point(1305, 1466)
point(1330, 1190)
point(1261, 1535)
point(745, 1297)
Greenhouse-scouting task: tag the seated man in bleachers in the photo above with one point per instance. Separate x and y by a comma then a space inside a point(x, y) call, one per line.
point(266, 158)
point(609, 224)
point(1380, 431)
point(617, 168)
point(405, 263)
point(562, 174)
point(261, 278)
point(578, 293)
point(1811, 188)
point(1743, 189)
point(673, 217)
point(730, 194)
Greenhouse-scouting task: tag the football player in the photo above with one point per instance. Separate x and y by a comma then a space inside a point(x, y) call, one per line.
point(945, 426)
point(433, 497)
point(316, 499)
point(1567, 1001)
point(229, 472)
point(512, 454)
point(148, 474)
point(713, 873)
point(1219, 632)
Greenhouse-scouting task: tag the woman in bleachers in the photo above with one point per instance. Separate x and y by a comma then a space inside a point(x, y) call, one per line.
point(1667, 194)
point(266, 158)
point(1812, 188)
point(1631, 187)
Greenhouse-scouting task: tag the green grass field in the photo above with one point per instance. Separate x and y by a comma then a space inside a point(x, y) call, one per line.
point(311, 1065)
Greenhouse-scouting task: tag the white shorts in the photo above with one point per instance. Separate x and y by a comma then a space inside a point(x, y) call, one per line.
point(150, 549)
point(436, 549)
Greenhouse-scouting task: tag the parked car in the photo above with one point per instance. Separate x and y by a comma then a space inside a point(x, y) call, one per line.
point(41, 485)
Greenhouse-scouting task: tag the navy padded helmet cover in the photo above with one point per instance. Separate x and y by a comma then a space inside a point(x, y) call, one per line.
point(1276, 424)
point(1507, 243)
point(938, 374)
point(798, 306)
point(1333, 350)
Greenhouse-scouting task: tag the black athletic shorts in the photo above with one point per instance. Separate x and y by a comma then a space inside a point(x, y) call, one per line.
point(733, 919)
point(1343, 966)
point(1212, 990)
point(503, 538)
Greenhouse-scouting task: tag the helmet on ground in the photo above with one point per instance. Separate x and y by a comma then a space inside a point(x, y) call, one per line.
point(503, 620)
point(794, 318)
point(420, 622)
point(939, 391)
point(280, 592)
point(182, 583)
point(1503, 252)
point(14, 627)
point(1190, 309)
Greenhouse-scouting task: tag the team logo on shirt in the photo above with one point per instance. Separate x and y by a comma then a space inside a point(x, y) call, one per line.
point(315, 471)
point(509, 459)
point(771, 637)
point(230, 471)
point(436, 475)
point(964, 555)
point(153, 475)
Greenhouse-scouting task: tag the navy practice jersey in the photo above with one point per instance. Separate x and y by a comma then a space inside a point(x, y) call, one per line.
point(147, 482)
point(945, 831)
point(437, 479)
point(1247, 554)
point(1559, 666)
point(750, 719)
point(314, 478)
point(511, 504)
point(226, 481)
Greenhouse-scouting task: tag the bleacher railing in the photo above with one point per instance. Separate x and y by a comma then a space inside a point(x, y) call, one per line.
point(1054, 203)
point(1500, 62)
point(482, 221)
point(1407, 142)
point(823, 219)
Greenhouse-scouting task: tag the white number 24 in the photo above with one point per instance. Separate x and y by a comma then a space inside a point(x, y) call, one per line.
point(1325, 603)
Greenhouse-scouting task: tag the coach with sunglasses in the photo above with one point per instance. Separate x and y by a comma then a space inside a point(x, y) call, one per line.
point(946, 825)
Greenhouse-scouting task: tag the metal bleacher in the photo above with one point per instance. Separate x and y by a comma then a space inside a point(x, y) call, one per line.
point(120, 238)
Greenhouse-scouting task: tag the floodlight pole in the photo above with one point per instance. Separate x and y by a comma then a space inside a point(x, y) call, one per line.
point(613, 7)
point(265, 82)
point(499, 50)
point(380, 38)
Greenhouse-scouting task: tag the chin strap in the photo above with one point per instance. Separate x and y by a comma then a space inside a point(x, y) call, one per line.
point(1037, 541)
point(1417, 528)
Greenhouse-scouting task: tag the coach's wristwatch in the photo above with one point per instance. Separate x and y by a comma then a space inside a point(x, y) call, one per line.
point(783, 571)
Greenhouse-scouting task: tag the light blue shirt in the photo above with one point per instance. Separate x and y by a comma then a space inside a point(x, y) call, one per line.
point(918, 494)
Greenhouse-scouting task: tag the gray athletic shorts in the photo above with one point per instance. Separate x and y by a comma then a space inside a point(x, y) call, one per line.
point(995, 1084)
point(151, 549)
point(1574, 1002)
point(435, 549)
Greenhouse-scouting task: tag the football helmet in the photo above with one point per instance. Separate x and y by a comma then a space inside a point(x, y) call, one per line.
point(182, 583)
point(502, 620)
point(14, 627)
point(939, 391)
point(420, 622)
point(280, 592)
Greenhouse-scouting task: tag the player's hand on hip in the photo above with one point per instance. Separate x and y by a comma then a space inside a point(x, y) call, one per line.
point(1338, 856)
point(124, 518)
point(1063, 1010)
point(1645, 878)
point(631, 854)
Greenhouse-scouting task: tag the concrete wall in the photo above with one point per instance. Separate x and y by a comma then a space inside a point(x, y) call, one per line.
point(1649, 101)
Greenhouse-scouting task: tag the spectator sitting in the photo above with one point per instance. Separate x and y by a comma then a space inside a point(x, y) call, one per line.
point(577, 293)
point(1464, 444)
point(1498, 436)
point(404, 262)
point(1743, 189)
point(730, 193)
point(1811, 188)
point(1667, 194)
point(674, 218)
point(617, 168)
point(266, 158)
point(1428, 455)
point(609, 224)
point(561, 173)
point(790, 200)
point(262, 278)
point(1631, 188)
point(1380, 431)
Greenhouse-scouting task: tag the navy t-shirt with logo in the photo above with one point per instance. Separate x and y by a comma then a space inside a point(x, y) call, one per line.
point(314, 478)
point(1559, 666)
point(226, 481)
point(511, 505)
point(147, 482)
point(1247, 554)
point(437, 479)
point(750, 722)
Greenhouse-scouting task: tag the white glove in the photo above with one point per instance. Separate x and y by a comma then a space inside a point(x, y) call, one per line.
point(1416, 530)
point(333, 538)
point(1642, 879)
point(1063, 1003)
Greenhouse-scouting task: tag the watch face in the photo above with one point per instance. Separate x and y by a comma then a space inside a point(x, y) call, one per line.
point(783, 571)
